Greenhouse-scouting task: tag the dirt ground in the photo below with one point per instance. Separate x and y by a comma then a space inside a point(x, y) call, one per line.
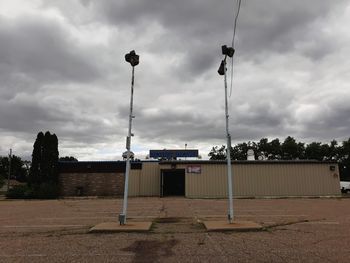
point(295, 230)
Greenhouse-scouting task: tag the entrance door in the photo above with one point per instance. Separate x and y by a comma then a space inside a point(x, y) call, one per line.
point(172, 182)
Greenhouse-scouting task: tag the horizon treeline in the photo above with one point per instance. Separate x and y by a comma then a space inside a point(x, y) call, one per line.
point(290, 149)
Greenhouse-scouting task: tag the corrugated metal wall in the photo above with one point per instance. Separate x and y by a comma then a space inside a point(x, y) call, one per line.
point(134, 182)
point(249, 180)
point(263, 180)
point(145, 182)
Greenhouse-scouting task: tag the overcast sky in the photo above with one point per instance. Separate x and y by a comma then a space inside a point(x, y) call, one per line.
point(62, 69)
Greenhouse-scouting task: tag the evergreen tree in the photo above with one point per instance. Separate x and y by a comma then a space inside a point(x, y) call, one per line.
point(53, 160)
point(44, 159)
point(35, 175)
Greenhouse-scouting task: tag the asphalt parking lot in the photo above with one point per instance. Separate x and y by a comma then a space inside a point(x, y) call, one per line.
point(295, 230)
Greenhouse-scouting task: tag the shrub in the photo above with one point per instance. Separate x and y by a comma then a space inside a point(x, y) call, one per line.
point(46, 191)
point(43, 191)
point(2, 181)
point(20, 192)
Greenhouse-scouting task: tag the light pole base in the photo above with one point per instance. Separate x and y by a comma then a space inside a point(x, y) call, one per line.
point(229, 218)
point(122, 219)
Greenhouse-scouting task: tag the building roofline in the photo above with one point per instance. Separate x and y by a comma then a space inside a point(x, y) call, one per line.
point(96, 166)
point(247, 162)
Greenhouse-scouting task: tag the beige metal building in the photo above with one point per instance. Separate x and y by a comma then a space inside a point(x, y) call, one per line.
point(208, 179)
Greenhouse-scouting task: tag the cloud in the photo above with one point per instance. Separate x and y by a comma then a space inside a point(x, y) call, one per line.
point(39, 49)
point(62, 69)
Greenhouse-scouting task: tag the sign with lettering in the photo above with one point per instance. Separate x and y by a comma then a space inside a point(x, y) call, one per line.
point(194, 169)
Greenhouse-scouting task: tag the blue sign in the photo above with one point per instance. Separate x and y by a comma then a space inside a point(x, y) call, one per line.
point(172, 154)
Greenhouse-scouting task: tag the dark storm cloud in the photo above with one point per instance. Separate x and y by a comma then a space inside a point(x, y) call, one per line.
point(39, 50)
point(272, 25)
point(253, 121)
point(172, 124)
point(332, 117)
point(192, 29)
point(264, 26)
point(62, 69)
point(35, 53)
point(261, 114)
point(28, 116)
point(23, 117)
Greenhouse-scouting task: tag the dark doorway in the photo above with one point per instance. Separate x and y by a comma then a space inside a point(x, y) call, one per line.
point(172, 182)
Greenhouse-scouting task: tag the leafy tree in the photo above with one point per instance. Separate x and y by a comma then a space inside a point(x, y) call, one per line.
point(71, 158)
point(2, 181)
point(345, 151)
point(333, 151)
point(239, 152)
point(263, 147)
point(301, 150)
point(275, 150)
point(290, 149)
point(217, 153)
point(18, 170)
point(344, 160)
point(313, 151)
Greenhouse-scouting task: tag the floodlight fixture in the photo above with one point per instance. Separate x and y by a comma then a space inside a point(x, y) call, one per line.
point(222, 69)
point(227, 51)
point(132, 58)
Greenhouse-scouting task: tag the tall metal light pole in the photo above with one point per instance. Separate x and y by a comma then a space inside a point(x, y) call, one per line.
point(133, 59)
point(227, 52)
point(9, 175)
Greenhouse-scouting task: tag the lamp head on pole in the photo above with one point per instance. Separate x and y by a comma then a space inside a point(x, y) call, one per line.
point(132, 58)
point(222, 69)
point(227, 51)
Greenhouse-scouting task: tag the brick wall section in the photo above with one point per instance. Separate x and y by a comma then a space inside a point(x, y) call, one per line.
point(92, 184)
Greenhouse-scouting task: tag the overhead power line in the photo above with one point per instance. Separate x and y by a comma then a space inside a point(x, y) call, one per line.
point(236, 14)
point(238, 4)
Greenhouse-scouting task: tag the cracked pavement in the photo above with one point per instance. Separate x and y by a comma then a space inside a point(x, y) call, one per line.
point(296, 230)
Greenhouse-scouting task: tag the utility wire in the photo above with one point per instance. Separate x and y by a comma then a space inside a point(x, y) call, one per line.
point(238, 4)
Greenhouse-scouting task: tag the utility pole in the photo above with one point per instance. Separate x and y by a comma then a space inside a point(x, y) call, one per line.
point(9, 175)
point(133, 59)
point(228, 52)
